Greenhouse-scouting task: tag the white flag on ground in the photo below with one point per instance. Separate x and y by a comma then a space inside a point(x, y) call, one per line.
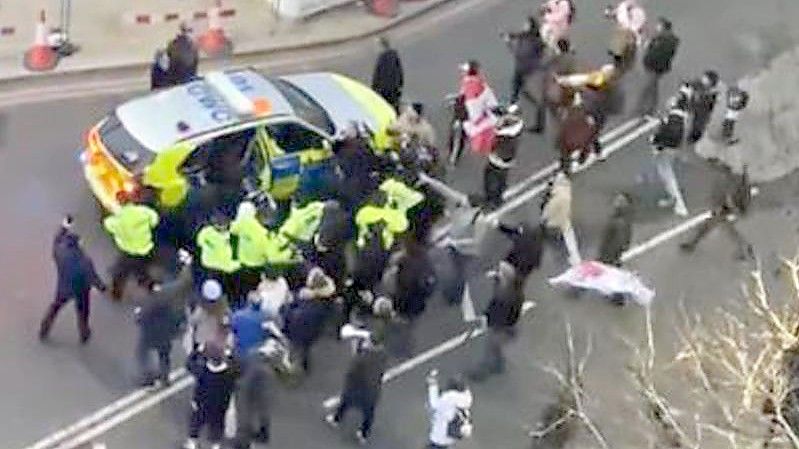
point(605, 279)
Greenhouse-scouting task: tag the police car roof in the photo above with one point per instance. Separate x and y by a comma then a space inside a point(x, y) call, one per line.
point(163, 118)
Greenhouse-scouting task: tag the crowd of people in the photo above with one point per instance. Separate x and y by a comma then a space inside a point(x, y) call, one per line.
point(249, 290)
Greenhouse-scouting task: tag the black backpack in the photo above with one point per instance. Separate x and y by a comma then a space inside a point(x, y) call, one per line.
point(460, 426)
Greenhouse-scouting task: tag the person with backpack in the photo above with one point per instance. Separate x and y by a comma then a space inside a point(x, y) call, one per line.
point(732, 196)
point(450, 412)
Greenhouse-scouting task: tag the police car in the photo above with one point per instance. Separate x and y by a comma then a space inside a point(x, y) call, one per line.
point(279, 130)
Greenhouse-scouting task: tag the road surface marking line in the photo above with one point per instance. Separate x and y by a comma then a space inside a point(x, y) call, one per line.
point(537, 190)
point(447, 346)
point(552, 167)
point(99, 415)
point(665, 236)
point(103, 427)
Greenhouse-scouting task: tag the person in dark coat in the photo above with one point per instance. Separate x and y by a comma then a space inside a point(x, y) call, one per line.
point(415, 282)
point(305, 317)
point(703, 96)
point(618, 232)
point(330, 243)
point(183, 57)
point(732, 195)
point(527, 247)
point(357, 167)
point(388, 78)
point(362, 386)
point(501, 316)
point(255, 392)
point(160, 316)
point(502, 158)
point(76, 276)
point(215, 378)
point(160, 75)
point(658, 56)
point(528, 48)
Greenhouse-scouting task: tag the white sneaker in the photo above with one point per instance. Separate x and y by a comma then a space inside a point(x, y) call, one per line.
point(665, 202)
point(361, 439)
point(216, 446)
point(190, 444)
point(331, 420)
point(680, 210)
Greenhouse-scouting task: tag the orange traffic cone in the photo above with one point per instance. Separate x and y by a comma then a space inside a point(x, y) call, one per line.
point(384, 8)
point(40, 56)
point(214, 42)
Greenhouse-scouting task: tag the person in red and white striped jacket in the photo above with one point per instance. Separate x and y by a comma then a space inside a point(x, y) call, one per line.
point(479, 101)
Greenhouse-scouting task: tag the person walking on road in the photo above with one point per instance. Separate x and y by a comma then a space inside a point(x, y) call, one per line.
point(160, 75)
point(76, 276)
point(160, 316)
point(732, 196)
point(362, 387)
point(415, 283)
point(183, 56)
point(215, 380)
point(667, 139)
point(702, 96)
point(501, 159)
point(527, 247)
point(132, 227)
point(556, 215)
point(501, 316)
point(617, 236)
point(450, 412)
point(658, 56)
point(388, 77)
point(528, 49)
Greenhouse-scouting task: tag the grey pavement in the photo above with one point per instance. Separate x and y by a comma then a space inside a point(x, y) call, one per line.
point(50, 386)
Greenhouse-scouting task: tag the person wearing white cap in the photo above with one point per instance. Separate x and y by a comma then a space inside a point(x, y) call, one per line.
point(209, 323)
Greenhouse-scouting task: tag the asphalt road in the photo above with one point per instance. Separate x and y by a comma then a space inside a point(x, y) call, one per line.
point(49, 386)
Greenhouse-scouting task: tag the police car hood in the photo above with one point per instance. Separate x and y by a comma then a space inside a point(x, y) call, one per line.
point(345, 100)
point(161, 119)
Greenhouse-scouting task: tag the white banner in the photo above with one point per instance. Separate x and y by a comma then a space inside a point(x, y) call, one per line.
point(606, 280)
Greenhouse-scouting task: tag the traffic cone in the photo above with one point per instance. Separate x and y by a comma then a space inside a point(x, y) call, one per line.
point(214, 42)
point(40, 57)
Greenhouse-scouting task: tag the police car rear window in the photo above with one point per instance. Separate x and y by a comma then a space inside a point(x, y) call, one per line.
point(304, 106)
point(123, 146)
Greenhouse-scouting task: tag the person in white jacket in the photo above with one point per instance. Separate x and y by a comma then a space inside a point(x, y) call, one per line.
point(556, 215)
point(444, 406)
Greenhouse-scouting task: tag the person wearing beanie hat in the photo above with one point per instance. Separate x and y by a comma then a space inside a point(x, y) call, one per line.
point(209, 322)
point(215, 381)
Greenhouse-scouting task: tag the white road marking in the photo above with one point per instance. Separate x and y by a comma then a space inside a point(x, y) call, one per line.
point(665, 236)
point(467, 305)
point(553, 167)
point(649, 125)
point(430, 354)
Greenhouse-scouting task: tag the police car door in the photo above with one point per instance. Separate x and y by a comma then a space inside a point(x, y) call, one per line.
point(300, 159)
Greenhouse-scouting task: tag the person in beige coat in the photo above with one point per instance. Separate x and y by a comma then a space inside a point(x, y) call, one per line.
point(556, 215)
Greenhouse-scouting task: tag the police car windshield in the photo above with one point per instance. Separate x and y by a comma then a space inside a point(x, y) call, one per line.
point(304, 106)
point(123, 146)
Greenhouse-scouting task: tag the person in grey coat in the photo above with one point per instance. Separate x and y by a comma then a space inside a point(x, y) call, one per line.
point(160, 317)
point(362, 386)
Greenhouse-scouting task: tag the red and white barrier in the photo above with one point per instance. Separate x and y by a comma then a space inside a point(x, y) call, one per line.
point(172, 17)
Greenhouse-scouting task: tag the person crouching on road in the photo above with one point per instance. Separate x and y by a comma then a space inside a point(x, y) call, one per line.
point(501, 316)
point(76, 277)
point(501, 159)
point(160, 317)
point(362, 386)
point(450, 412)
point(216, 378)
point(617, 236)
point(132, 227)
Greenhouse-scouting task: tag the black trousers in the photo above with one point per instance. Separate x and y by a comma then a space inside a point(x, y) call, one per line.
point(253, 420)
point(719, 219)
point(81, 311)
point(128, 265)
point(365, 404)
point(495, 181)
point(210, 418)
point(699, 124)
